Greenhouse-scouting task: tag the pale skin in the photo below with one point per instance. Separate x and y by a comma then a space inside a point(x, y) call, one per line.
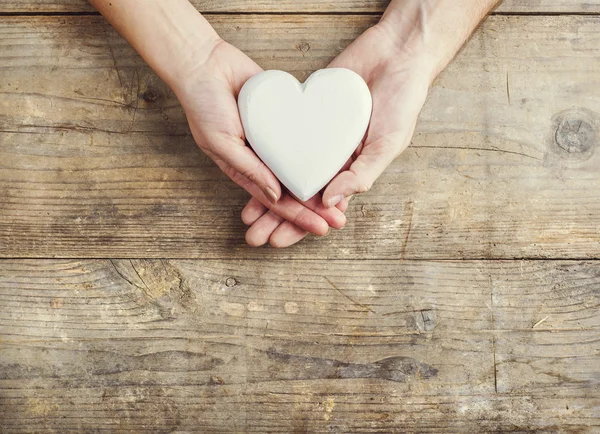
point(399, 58)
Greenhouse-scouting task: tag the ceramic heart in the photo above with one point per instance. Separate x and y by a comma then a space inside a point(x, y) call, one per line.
point(305, 132)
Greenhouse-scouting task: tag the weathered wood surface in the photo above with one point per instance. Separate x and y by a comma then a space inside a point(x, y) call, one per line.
point(97, 161)
point(306, 6)
point(343, 346)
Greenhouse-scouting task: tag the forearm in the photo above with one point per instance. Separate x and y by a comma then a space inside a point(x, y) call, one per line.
point(434, 30)
point(171, 36)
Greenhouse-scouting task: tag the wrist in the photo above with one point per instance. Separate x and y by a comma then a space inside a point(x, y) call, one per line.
point(433, 31)
point(172, 37)
point(188, 43)
point(408, 55)
point(410, 50)
point(183, 73)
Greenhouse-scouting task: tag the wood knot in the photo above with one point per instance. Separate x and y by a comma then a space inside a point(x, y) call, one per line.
point(426, 320)
point(56, 303)
point(575, 136)
point(303, 46)
point(230, 282)
point(150, 95)
point(216, 381)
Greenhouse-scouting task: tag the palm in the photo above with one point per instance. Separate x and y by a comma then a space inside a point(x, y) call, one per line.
point(211, 108)
point(398, 96)
point(399, 93)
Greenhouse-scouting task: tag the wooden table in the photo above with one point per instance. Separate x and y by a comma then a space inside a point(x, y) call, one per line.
point(462, 297)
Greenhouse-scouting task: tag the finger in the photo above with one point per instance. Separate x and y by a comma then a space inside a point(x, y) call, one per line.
point(253, 211)
point(345, 167)
point(334, 217)
point(349, 162)
point(361, 175)
point(287, 207)
point(286, 235)
point(343, 205)
point(293, 211)
point(236, 159)
point(259, 233)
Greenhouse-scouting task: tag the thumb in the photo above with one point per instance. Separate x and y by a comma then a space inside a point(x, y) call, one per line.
point(361, 174)
point(241, 164)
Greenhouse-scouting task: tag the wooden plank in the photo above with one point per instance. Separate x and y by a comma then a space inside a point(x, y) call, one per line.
point(343, 346)
point(305, 6)
point(92, 169)
point(550, 6)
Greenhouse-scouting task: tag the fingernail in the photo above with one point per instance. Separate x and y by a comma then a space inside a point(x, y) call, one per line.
point(335, 200)
point(271, 195)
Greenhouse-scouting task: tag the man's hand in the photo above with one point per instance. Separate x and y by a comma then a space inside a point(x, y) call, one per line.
point(399, 89)
point(399, 58)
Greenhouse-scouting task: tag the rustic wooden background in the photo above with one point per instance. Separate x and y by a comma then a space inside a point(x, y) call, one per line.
point(464, 295)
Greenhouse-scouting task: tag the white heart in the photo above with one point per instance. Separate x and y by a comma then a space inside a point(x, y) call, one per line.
point(305, 132)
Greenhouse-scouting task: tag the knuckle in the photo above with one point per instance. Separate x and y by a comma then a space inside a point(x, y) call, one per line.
point(236, 177)
point(230, 171)
point(207, 145)
point(253, 174)
point(301, 218)
point(363, 187)
point(250, 174)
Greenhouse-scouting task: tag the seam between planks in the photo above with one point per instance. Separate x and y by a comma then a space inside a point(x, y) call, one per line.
point(316, 13)
point(340, 260)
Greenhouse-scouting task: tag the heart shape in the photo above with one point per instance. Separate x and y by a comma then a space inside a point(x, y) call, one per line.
point(305, 133)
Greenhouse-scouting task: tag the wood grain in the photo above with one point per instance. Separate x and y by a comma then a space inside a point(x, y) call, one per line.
point(505, 162)
point(344, 346)
point(337, 334)
point(305, 6)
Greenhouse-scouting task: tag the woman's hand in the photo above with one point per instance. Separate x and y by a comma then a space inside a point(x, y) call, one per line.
point(208, 95)
point(399, 83)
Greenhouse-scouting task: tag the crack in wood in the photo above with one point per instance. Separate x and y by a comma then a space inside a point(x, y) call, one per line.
point(122, 275)
point(147, 290)
point(466, 148)
point(507, 88)
point(493, 327)
point(136, 95)
point(363, 306)
point(114, 59)
point(411, 209)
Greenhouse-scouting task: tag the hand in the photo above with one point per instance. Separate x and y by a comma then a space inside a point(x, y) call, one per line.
point(209, 100)
point(399, 84)
point(268, 227)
